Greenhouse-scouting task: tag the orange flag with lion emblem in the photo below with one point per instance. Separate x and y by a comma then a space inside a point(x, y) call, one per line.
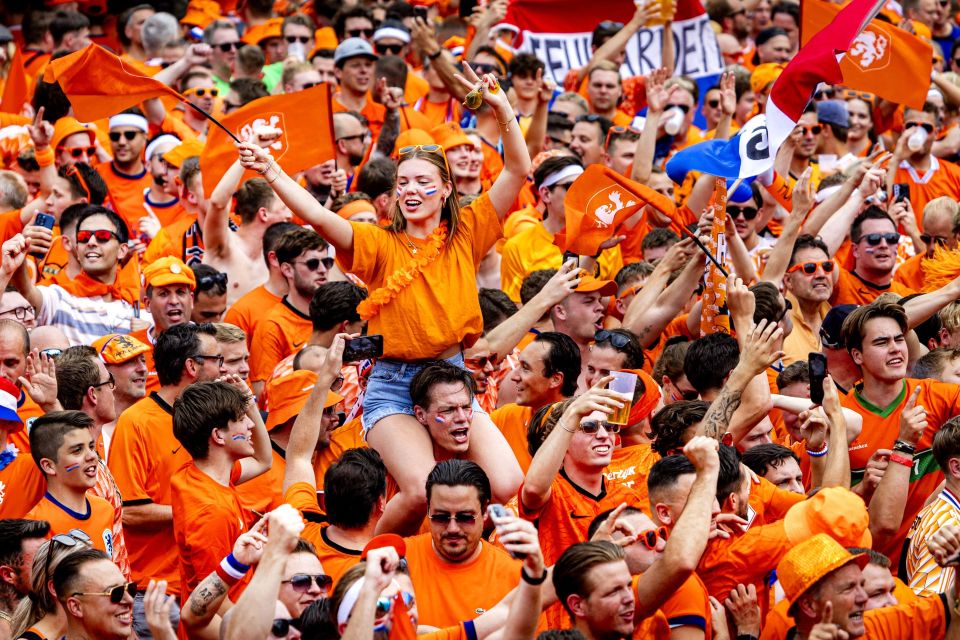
point(304, 119)
point(881, 59)
point(598, 202)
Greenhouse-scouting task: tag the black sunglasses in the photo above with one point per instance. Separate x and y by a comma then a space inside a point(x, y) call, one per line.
point(300, 582)
point(484, 67)
point(300, 39)
point(873, 239)
point(358, 33)
point(748, 213)
point(787, 305)
point(926, 126)
point(208, 282)
point(683, 107)
point(591, 427)
point(713, 104)
point(617, 340)
point(927, 239)
point(460, 518)
point(388, 49)
point(116, 593)
point(129, 135)
point(281, 626)
point(314, 263)
point(227, 47)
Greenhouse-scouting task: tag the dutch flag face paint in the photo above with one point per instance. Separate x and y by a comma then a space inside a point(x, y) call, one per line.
point(239, 437)
point(73, 467)
point(429, 191)
point(440, 420)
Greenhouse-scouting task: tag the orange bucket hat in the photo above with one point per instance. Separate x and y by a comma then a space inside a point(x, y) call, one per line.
point(811, 561)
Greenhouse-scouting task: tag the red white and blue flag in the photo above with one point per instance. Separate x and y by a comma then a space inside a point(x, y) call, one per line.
point(558, 32)
point(753, 149)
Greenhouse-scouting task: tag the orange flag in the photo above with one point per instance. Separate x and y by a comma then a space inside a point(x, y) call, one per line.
point(882, 59)
point(598, 202)
point(305, 120)
point(713, 313)
point(100, 84)
point(16, 90)
point(401, 627)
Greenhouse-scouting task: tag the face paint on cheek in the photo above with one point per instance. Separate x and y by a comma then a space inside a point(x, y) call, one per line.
point(429, 191)
point(239, 437)
point(869, 250)
point(439, 420)
point(399, 191)
point(73, 467)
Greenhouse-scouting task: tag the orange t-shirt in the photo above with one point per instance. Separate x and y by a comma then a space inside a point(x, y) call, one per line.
point(253, 306)
point(183, 239)
point(145, 336)
point(941, 179)
point(450, 592)
point(336, 560)
point(851, 289)
point(372, 111)
point(127, 193)
point(144, 457)
point(97, 522)
point(513, 421)
point(443, 298)
point(207, 519)
point(167, 212)
point(265, 492)
point(437, 113)
point(880, 429)
point(10, 224)
point(689, 606)
point(910, 274)
point(283, 331)
point(349, 436)
point(630, 467)
point(770, 502)
point(21, 486)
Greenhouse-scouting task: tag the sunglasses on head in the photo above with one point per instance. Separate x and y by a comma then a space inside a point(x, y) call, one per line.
point(619, 131)
point(101, 235)
point(300, 39)
point(459, 518)
point(591, 427)
point(927, 239)
point(314, 263)
point(129, 135)
point(926, 126)
point(617, 340)
point(748, 213)
point(360, 33)
point(227, 47)
point(873, 239)
point(850, 94)
point(610, 25)
point(388, 49)
point(427, 148)
point(115, 594)
point(281, 626)
point(810, 129)
point(79, 152)
point(208, 282)
point(650, 536)
point(300, 582)
point(810, 268)
point(202, 91)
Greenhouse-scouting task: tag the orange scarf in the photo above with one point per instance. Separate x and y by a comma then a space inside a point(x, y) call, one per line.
point(126, 287)
point(401, 278)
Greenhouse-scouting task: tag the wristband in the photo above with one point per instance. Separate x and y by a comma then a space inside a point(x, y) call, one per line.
point(904, 447)
point(231, 570)
point(819, 454)
point(900, 459)
point(44, 156)
point(436, 54)
point(533, 581)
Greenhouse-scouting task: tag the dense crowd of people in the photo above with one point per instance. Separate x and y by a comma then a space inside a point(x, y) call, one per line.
point(377, 398)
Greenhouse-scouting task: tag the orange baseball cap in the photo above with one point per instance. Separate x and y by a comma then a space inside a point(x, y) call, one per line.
point(589, 284)
point(200, 13)
point(385, 540)
point(184, 150)
point(357, 206)
point(66, 127)
point(810, 561)
point(413, 137)
point(764, 75)
point(272, 28)
point(289, 393)
point(168, 270)
point(115, 348)
point(834, 510)
point(325, 38)
point(449, 135)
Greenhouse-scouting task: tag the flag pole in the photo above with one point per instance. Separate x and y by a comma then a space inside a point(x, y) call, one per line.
point(706, 251)
point(213, 120)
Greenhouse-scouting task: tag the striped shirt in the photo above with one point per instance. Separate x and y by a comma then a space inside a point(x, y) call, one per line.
point(83, 320)
point(925, 576)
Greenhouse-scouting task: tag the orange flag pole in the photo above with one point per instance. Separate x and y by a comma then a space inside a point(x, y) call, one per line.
point(713, 312)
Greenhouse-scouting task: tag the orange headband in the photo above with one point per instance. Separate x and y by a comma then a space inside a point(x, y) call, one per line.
point(351, 209)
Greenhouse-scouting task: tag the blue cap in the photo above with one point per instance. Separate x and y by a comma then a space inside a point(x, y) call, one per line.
point(833, 112)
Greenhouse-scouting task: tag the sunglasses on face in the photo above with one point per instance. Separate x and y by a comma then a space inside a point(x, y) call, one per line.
point(129, 135)
point(926, 126)
point(713, 104)
point(617, 340)
point(787, 305)
point(79, 152)
point(311, 85)
point(102, 236)
point(281, 626)
point(873, 239)
point(385, 604)
point(300, 39)
point(590, 427)
point(927, 239)
point(748, 213)
point(650, 536)
point(686, 395)
point(683, 107)
point(202, 91)
point(477, 363)
point(810, 268)
point(809, 129)
point(459, 518)
point(314, 263)
point(115, 594)
point(208, 282)
point(485, 67)
point(388, 49)
point(227, 47)
point(360, 33)
point(824, 94)
point(300, 582)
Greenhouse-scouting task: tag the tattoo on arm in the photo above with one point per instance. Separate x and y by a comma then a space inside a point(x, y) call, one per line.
point(717, 418)
point(212, 588)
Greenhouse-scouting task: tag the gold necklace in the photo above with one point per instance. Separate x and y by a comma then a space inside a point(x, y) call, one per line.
point(410, 245)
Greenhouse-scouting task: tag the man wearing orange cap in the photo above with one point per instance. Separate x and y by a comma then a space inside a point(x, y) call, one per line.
point(823, 583)
point(463, 155)
point(269, 37)
point(72, 142)
point(125, 359)
point(168, 295)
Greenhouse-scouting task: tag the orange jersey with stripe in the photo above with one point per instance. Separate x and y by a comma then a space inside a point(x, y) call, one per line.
point(689, 606)
point(630, 467)
point(941, 179)
point(449, 592)
point(21, 484)
point(926, 577)
point(97, 522)
point(881, 426)
point(336, 559)
point(144, 457)
point(282, 332)
point(513, 420)
point(247, 312)
point(126, 192)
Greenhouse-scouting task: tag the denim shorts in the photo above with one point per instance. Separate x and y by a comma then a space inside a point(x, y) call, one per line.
point(388, 390)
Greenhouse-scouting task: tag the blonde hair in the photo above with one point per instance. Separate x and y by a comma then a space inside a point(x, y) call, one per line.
point(450, 212)
point(229, 333)
point(950, 316)
point(943, 204)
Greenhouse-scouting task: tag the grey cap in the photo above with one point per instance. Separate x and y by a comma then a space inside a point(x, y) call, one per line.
point(5, 35)
point(833, 112)
point(353, 48)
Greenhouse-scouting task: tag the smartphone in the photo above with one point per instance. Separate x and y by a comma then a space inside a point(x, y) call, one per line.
point(44, 220)
point(817, 364)
point(363, 348)
point(499, 511)
point(569, 255)
point(901, 192)
point(420, 12)
point(466, 8)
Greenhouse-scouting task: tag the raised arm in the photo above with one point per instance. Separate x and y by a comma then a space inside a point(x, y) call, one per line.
point(688, 539)
point(14, 271)
point(216, 224)
point(262, 458)
point(779, 259)
point(728, 105)
point(537, 131)
point(836, 467)
point(332, 227)
point(645, 11)
point(657, 98)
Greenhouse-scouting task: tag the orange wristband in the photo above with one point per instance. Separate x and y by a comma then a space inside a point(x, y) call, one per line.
point(44, 156)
